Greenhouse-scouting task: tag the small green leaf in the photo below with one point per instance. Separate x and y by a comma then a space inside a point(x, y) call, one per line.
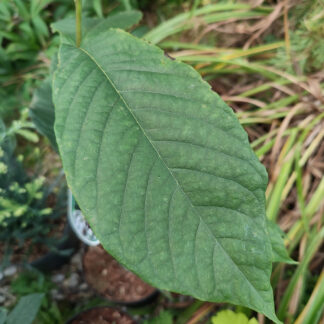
point(42, 111)
point(98, 8)
point(229, 317)
point(22, 8)
point(41, 28)
point(163, 318)
point(28, 135)
point(26, 309)
point(3, 315)
point(2, 130)
point(126, 3)
point(279, 252)
point(163, 171)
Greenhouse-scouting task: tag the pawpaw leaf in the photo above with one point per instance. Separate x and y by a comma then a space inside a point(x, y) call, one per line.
point(163, 171)
point(279, 252)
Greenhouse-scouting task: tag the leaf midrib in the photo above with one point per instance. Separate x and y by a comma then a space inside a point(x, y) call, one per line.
point(158, 153)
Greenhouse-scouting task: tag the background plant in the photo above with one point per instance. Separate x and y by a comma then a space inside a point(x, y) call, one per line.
point(26, 310)
point(24, 212)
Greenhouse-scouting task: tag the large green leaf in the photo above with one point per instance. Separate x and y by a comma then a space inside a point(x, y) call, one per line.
point(163, 171)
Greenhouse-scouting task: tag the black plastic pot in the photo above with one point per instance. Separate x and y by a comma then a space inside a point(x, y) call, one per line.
point(93, 309)
point(137, 303)
point(68, 245)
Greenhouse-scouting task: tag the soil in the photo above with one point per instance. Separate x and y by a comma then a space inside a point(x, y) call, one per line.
point(103, 316)
point(105, 275)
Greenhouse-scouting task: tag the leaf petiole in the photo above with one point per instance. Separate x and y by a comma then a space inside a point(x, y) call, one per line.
point(78, 11)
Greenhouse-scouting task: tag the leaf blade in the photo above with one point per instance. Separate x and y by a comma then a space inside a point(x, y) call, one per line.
point(42, 111)
point(26, 309)
point(279, 252)
point(173, 161)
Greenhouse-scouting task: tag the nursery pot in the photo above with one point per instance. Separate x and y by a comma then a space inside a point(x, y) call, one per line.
point(101, 315)
point(53, 260)
point(79, 224)
point(112, 281)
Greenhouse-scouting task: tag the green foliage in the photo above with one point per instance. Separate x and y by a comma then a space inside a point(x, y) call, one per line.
point(18, 195)
point(307, 40)
point(42, 108)
point(30, 282)
point(306, 35)
point(14, 208)
point(229, 317)
point(42, 111)
point(160, 5)
point(3, 315)
point(93, 26)
point(164, 317)
point(23, 38)
point(25, 311)
point(26, 46)
point(19, 48)
point(24, 34)
point(279, 252)
point(208, 14)
point(24, 27)
point(21, 127)
point(23, 211)
point(163, 171)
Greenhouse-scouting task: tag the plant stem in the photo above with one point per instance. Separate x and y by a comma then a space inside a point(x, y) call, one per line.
point(78, 10)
